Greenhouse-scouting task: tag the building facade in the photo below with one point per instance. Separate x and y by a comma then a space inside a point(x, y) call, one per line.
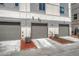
point(75, 18)
point(34, 20)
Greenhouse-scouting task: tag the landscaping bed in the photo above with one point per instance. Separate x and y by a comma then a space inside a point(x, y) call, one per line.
point(75, 36)
point(61, 40)
point(26, 45)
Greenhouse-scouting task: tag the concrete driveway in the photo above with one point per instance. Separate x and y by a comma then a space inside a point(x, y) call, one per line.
point(71, 38)
point(43, 43)
point(46, 42)
point(46, 46)
point(7, 47)
point(46, 52)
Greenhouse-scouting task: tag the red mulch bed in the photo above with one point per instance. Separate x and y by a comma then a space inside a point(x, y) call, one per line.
point(25, 45)
point(75, 36)
point(62, 41)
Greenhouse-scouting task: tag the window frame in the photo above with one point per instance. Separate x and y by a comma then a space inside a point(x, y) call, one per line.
point(62, 10)
point(75, 16)
point(16, 4)
point(1, 3)
point(42, 6)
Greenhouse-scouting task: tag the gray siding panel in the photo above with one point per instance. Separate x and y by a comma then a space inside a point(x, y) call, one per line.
point(63, 30)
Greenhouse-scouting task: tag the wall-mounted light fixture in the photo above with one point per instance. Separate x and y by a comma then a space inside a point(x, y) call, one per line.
point(64, 22)
point(51, 24)
point(32, 17)
point(39, 19)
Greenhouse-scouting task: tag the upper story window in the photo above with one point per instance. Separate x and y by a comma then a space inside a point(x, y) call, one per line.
point(75, 16)
point(61, 10)
point(1, 3)
point(42, 6)
point(16, 4)
point(73, 3)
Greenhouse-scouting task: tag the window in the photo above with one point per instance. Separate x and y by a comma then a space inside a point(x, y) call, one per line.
point(61, 9)
point(1, 3)
point(42, 6)
point(16, 4)
point(73, 3)
point(75, 16)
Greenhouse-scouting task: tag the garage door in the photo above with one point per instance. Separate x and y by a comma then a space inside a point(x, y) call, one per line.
point(39, 30)
point(63, 30)
point(9, 31)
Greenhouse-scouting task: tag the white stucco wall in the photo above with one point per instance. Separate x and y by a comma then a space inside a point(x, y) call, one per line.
point(23, 30)
point(48, 17)
point(24, 15)
point(25, 7)
point(52, 9)
point(52, 28)
point(54, 3)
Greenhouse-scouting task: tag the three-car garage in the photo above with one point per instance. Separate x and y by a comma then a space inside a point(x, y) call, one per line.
point(12, 30)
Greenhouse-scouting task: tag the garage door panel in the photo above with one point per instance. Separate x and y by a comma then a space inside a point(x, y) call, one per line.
point(63, 30)
point(39, 30)
point(9, 31)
